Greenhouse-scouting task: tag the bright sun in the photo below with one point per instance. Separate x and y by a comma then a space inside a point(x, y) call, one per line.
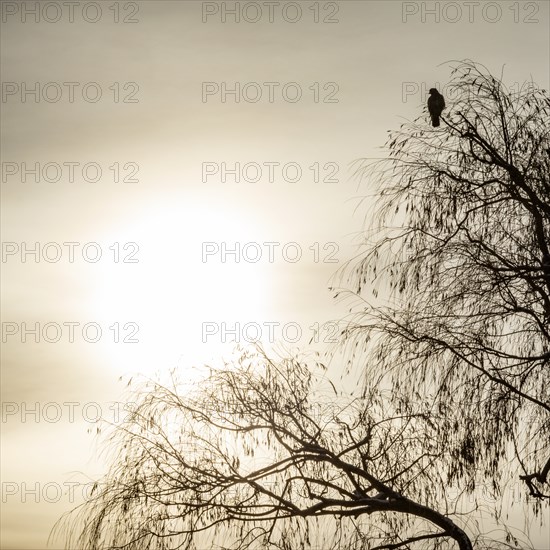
point(174, 290)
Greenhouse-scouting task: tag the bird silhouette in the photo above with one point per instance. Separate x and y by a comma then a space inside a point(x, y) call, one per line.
point(436, 104)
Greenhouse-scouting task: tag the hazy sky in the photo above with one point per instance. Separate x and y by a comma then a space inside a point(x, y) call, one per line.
point(149, 98)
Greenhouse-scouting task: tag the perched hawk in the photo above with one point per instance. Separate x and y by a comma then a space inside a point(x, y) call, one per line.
point(436, 104)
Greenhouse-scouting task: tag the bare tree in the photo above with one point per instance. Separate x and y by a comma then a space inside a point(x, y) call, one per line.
point(454, 351)
point(458, 260)
point(268, 454)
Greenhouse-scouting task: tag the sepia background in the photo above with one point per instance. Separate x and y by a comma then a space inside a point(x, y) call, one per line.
point(163, 294)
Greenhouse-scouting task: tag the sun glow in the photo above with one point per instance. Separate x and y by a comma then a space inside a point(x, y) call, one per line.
point(164, 292)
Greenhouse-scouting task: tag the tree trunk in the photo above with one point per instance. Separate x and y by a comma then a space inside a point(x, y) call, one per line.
point(448, 525)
